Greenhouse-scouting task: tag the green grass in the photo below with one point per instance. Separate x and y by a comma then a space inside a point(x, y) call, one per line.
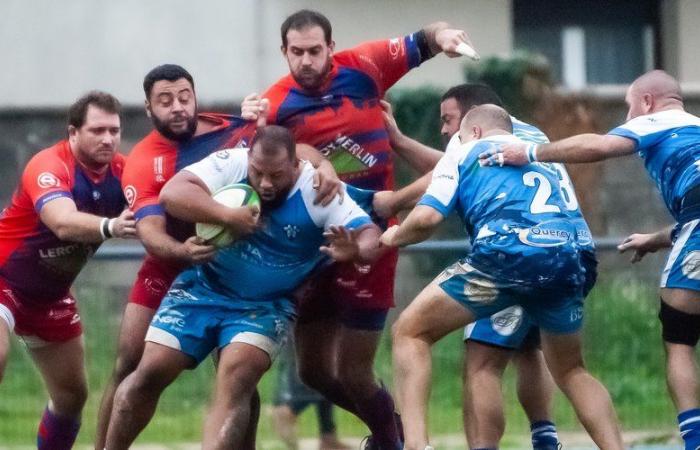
point(623, 348)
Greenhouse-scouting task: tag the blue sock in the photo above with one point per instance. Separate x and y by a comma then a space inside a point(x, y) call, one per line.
point(689, 425)
point(544, 435)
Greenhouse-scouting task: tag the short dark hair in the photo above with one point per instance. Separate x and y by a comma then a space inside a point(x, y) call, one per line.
point(469, 95)
point(306, 18)
point(169, 72)
point(273, 137)
point(102, 100)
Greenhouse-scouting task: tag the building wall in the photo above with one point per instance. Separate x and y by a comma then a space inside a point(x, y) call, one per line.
point(230, 46)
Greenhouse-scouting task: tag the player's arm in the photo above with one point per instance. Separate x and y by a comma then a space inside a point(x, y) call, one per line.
point(441, 37)
point(583, 148)
point(326, 181)
point(387, 204)
point(155, 238)
point(187, 197)
point(418, 226)
point(62, 217)
point(646, 243)
point(421, 157)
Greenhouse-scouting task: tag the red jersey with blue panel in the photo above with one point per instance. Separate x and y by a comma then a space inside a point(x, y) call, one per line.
point(151, 163)
point(344, 122)
point(37, 268)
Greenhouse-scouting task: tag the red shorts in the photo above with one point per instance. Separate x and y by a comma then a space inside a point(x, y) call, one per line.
point(40, 323)
point(344, 289)
point(152, 282)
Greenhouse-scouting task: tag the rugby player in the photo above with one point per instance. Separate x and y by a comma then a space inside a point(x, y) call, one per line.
point(525, 252)
point(240, 302)
point(331, 101)
point(491, 342)
point(668, 139)
point(68, 201)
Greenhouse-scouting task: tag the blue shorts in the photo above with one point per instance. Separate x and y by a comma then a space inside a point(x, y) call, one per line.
point(512, 328)
point(553, 310)
point(682, 270)
point(195, 320)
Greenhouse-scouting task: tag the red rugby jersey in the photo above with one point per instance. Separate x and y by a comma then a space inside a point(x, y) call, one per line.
point(155, 159)
point(33, 260)
point(344, 120)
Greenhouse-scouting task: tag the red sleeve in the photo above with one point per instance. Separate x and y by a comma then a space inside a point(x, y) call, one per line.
point(145, 173)
point(47, 177)
point(386, 61)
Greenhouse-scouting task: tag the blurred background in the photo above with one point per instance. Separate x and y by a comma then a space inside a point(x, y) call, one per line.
point(562, 65)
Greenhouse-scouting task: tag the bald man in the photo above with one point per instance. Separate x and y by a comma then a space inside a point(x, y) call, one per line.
point(524, 252)
point(668, 139)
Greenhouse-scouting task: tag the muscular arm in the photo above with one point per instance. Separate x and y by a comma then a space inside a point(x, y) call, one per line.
point(62, 217)
point(646, 243)
point(421, 157)
point(151, 231)
point(368, 243)
point(418, 226)
point(387, 204)
point(585, 148)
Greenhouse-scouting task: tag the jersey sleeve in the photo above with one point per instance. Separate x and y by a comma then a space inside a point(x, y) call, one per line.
point(441, 194)
point(47, 178)
point(222, 168)
point(141, 185)
point(386, 61)
point(644, 131)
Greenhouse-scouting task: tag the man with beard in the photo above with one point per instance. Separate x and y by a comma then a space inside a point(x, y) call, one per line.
point(240, 302)
point(331, 101)
point(65, 206)
point(181, 137)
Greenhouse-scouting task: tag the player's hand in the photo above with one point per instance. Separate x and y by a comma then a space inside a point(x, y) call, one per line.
point(505, 155)
point(123, 226)
point(197, 251)
point(244, 220)
point(256, 109)
point(342, 244)
point(384, 204)
point(387, 238)
point(392, 128)
point(327, 184)
point(452, 43)
point(641, 244)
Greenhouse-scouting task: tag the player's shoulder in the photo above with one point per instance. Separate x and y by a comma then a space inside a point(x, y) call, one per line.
point(660, 121)
point(528, 132)
point(153, 144)
point(58, 155)
point(118, 163)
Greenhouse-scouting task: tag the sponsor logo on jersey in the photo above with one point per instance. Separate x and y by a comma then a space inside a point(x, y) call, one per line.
point(158, 169)
point(544, 237)
point(47, 180)
point(346, 155)
point(223, 154)
point(292, 231)
point(170, 317)
point(576, 314)
point(508, 321)
point(59, 252)
point(394, 47)
point(691, 265)
point(130, 195)
point(155, 285)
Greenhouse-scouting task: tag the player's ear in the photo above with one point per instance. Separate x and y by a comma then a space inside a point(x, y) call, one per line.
point(147, 105)
point(72, 130)
point(283, 49)
point(476, 132)
point(331, 46)
point(647, 102)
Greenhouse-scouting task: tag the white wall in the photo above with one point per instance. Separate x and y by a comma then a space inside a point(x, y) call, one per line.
point(51, 51)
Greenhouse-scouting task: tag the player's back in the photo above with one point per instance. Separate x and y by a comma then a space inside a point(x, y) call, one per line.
point(515, 216)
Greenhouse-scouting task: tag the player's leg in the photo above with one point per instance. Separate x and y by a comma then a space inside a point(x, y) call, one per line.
point(327, 428)
point(137, 396)
point(535, 387)
point(484, 419)
point(129, 350)
point(587, 395)
point(241, 365)
point(359, 338)
point(5, 329)
point(427, 319)
point(284, 423)
point(680, 318)
point(62, 367)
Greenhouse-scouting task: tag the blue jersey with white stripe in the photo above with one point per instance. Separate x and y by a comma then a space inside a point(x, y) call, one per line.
point(669, 143)
point(516, 217)
point(274, 260)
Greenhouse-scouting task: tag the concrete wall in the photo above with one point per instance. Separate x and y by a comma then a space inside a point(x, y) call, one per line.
point(53, 51)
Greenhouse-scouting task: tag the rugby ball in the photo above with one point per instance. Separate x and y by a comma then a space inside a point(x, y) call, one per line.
point(233, 196)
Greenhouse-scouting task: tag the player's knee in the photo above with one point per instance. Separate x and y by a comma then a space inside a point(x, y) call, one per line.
point(313, 377)
point(679, 327)
point(70, 401)
point(125, 365)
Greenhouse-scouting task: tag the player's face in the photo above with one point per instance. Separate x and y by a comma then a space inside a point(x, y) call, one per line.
point(271, 176)
point(96, 142)
point(450, 117)
point(172, 106)
point(308, 56)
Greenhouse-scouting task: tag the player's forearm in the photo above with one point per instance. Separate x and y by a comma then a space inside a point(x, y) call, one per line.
point(418, 226)
point(431, 31)
point(157, 242)
point(662, 238)
point(584, 148)
point(408, 196)
point(421, 157)
point(309, 153)
point(368, 244)
point(79, 227)
point(188, 201)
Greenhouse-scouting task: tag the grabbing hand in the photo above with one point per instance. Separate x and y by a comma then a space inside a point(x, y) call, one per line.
point(505, 155)
point(387, 238)
point(641, 244)
point(392, 128)
point(342, 244)
point(244, 219)
point(383, 204)
point(255, 108)
point(455, 43)
point(327, 184)
point(197, 251)
point(123, 226)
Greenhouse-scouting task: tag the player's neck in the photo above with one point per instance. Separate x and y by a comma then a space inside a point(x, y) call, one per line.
point(93, 169)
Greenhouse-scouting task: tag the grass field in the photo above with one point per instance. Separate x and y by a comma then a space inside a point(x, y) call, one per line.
point(624, 350)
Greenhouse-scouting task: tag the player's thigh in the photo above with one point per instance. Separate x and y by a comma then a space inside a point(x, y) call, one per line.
point(160, 365)
point(316, 345)
point(563, 352)
point(685, 300)
point(62, 366)
point(4, 345)
point(356, 350)
point(431, 315)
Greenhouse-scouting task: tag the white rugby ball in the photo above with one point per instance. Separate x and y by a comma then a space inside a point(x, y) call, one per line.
point(233, 196)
